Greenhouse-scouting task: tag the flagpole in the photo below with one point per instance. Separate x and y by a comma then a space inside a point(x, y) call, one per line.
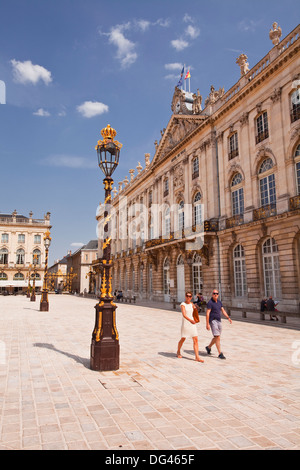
point(184, 81)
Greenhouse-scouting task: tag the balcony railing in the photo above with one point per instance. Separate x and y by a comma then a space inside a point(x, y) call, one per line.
point(262, 136)
point(264, 212)
point(294, 203)
point(235, 220)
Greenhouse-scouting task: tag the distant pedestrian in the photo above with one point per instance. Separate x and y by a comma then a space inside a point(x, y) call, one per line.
point(263, 305)
point(213, 322)
point(271, 308)
point(188, 326)
point(199, 301)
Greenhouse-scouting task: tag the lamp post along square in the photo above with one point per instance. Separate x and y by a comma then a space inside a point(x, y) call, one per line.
point(105, 349)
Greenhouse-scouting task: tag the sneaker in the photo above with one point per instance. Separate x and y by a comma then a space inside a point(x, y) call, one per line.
point(221, 356)
point(208, 350)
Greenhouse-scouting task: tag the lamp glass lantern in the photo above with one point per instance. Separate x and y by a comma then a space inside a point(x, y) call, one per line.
point(108, 157)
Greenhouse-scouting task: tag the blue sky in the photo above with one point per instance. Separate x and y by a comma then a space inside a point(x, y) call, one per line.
point(73, 66)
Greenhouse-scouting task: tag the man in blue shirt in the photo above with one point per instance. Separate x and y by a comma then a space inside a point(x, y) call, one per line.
point(213, 322)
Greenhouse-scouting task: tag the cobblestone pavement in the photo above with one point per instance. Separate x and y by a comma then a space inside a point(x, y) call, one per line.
point(50, 399)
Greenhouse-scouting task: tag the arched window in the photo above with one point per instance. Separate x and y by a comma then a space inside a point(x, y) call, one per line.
point(197, 274)
point(125, 280)
point(237, 194)
point(239, 265)
point(36, 257)
point(3, 256)
point(297, 168)
point(151, 228)
point(150, 272)
point(271, 268)
point(133, 279)
point(267, 183)
point(197, 209)
point(195, 168)
point(166, 277)
point(3, 277)
point(36, 276)
point(20, 256)
point(19, 277)
point(181, 215)
point(141, 278)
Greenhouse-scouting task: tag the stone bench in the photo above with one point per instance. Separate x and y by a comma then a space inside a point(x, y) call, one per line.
point(245, 311)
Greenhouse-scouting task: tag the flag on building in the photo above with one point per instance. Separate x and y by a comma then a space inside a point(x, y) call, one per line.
point(188, 75)
point(179, 84)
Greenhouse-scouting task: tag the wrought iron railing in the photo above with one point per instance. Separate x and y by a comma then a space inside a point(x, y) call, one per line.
point(264, 212)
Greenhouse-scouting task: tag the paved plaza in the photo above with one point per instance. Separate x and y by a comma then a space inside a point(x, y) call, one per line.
point(50, 399)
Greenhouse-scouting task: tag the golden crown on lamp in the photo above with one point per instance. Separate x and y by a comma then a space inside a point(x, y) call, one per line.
point(108, 134)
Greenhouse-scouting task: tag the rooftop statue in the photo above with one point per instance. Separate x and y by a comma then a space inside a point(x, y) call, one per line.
point(243, 64)
point(275, 34)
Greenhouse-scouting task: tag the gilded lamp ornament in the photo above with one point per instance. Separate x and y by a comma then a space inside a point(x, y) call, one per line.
point(108, 151)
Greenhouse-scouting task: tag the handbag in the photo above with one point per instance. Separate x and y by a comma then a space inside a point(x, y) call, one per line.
point(196, 315)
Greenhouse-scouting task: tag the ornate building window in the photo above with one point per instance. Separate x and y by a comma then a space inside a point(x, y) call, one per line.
point(197, 274)
point(239, 266)
point(181, 215)
point(195, 168)
point(3, 277)
point(21, 238)
point(166, 187)
point(233, 146)
point(166, 277)
point(37, 257)
point(20, 256)
point(197, 209)
point(141, 278)
point(167, 223)
point(262, 128)
point(271, 268)
point(4, 238)
point(237, 195)
point(133, 280)
point(295, 105)
point(37, 239)
point(297, 168)
point(3, 256)
point(151, 228)
point(19, 277)
point(150, 273)
point(267, 187)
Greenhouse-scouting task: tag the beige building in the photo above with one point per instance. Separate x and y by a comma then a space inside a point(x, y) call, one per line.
point(218, 205)
point(21, 238)
point(79, 266)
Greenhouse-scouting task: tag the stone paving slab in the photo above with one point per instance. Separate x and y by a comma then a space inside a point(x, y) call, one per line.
point(50, 399)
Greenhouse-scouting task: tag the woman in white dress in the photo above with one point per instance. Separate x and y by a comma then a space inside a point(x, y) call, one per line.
point(188, 326)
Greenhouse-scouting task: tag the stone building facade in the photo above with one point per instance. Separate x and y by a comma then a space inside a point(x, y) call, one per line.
point(218, 206)
point(21, 238)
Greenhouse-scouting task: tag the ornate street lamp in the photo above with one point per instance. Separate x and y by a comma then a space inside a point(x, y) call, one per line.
point(44, 304)
point(28, 287)
point(35, 260)
point(105, 350)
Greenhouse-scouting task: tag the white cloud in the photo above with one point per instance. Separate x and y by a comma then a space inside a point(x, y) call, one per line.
point(68, 161)
point(187, 18)
point(125, 48)
point(179, 44)
point(90, 109)
point(174, 66)
point(77, 244)
point(143, 24)
point(42, 112)
point(248, 25)
point(192, 31)
point(27, 72)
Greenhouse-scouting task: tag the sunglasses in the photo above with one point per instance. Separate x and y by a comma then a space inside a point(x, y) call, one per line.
point(215, 293)
point(188, 296)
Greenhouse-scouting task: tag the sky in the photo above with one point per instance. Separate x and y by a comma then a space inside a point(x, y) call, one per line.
point(71, 67)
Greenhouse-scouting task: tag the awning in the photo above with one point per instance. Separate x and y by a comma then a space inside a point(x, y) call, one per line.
point(24, 283)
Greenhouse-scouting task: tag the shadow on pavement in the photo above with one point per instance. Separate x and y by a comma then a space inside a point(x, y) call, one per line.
point(81, 360)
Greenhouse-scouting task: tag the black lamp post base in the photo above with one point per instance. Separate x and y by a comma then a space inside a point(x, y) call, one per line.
point(105, 355)
point(32, 298)
point(44, 304)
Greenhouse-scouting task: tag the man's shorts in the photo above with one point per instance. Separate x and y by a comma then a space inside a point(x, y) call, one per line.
point(216, 327)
